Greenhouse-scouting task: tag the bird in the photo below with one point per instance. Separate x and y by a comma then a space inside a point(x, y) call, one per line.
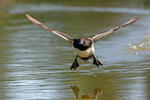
point(83, 47)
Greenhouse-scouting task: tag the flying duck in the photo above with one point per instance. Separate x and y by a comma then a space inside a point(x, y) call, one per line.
point(83, 47)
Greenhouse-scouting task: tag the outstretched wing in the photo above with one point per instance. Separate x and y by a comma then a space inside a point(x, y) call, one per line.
point(100, 35)
point(62, 35)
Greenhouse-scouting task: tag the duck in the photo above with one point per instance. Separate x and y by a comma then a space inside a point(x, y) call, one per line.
point(83, 47)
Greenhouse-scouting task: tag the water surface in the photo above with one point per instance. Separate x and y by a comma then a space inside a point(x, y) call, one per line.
point(34, 64)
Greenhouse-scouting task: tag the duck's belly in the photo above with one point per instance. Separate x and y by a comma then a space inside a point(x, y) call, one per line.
point(85, 54)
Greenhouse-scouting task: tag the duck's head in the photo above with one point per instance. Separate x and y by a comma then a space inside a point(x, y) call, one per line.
point(82, 43)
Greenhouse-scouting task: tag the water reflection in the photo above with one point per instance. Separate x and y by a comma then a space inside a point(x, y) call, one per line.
point(20, 9)
point(86, 96)
point(34, 64)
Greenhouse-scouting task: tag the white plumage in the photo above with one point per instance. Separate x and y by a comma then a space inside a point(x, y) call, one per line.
point(86, 53)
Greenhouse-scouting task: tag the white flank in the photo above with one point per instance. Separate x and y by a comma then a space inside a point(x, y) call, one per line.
point(86, 53)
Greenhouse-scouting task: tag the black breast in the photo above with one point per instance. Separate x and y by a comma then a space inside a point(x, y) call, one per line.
point(87, 43)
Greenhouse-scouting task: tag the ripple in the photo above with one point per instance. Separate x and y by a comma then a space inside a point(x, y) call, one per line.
point(20, 9)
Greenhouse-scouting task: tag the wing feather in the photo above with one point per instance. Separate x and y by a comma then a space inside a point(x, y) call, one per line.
point(62, 35)
point(100, 35)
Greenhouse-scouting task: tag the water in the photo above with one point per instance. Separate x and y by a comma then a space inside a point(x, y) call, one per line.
point(34, 64)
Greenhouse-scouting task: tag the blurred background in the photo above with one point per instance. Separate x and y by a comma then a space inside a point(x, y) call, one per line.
point(34, 63)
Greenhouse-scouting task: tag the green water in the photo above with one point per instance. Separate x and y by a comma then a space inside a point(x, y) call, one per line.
point(34, 64)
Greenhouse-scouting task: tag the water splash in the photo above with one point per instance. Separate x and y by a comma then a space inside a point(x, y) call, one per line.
point(144, 45)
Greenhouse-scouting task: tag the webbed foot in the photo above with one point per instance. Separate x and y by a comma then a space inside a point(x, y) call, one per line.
point(96, 61)
point(74, 64)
